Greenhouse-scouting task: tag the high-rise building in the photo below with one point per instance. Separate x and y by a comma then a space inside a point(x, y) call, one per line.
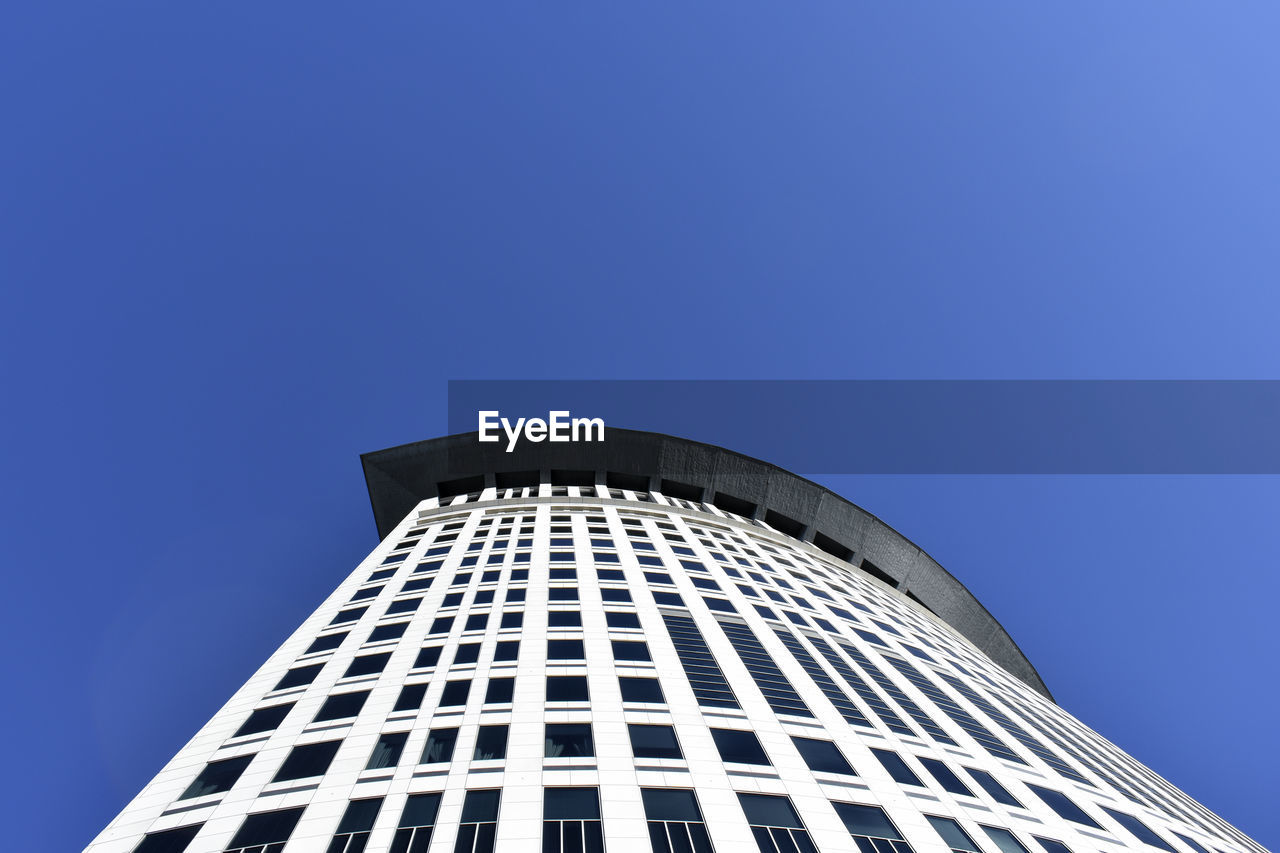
point(646, 644)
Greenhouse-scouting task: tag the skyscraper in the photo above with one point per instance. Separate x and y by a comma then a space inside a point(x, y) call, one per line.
point(646, 644)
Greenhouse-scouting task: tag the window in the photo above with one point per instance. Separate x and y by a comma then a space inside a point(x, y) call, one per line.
point(428, 657)
point(416, 584)
point(511, 619)
point(708, 682)
point(675, 821)
point(571, 821)
point(611, 594)
point(484, 596)
point(507, 650)
point(300, 676)
point(410, 698)
point(367, 665)
point(365, 594)
point(387, 632)
point(1065, 808)
point(325, 643)
point(451, 599)
point(442, 625)
point(568, 740)
point(654, 741)
point(455, 693)
point(516, 595)
point(622, 619)
point(1190, 842)
point(667, 599)
point(386, 753)
point(775, 824)
point(822, 756)
point(216, 777)
point(1139, 829)
point(869, 825)
point(998, 792)
point(1051, 846)
point(467, 653)
point(562, 593)
point(310, 760)
point(945, 776)
point(479, 822)
point(406, 605)
point(416, 822)
point(953, 835)
point(350, 615)
point(739, 747)
point(476, 622)
point(499, 691)
point(898, 769)
point(1004, 839)
point(265, 832)
point(439, 746)
point(641, 690)
point(567, 688)
point(353, 829)
point(779, 693)
point(491, 743)
point(630, 650)
point(565, 650)
point(564, 619)
point(342, 705)
point(169, 841)
point(264, 720)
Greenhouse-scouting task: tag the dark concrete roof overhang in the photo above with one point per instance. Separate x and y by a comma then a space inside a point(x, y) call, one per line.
point(400, 477)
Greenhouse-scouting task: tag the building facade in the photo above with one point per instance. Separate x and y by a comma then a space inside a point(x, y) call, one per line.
point(650, 644)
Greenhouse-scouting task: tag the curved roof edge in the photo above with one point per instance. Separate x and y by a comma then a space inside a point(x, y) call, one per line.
point(400, 477)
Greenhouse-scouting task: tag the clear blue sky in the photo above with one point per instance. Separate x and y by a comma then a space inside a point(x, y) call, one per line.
point(242, 243)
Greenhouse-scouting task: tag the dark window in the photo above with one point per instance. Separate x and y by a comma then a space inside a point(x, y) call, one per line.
point(387, 632)
point(353, 830)
point(512, 619)
point(416, 584)
point(516, 595)
point(611, 594)
point(451, 599)
point(386, 753)
point(562, 593)
point(658, 577)
point(455, 693)
point(1190, 842)
point(564, 619)
point(1051, 846)
point(621, 619)
point(476, 622)
point(410, 698)
point(777, 690)
point(946, 776)
point(500, 691)
point(507, 650)
point(479, 822)
point(265, 829)
point(299, 676)
point(365, 594)
point(310, 760)
point(1066, 809)
point(416, 822)
point(491, 743)
point(341, 705)
point(565, 650)
point(571, 821)
point(567, 688)
point(568, 740)
point(720, 604)
point(898, 769)
point(484, 596)
point(953, 835)
point(264, 720)
point(348, 615)
point(325, 643)
point(870, 824)
point(169, 841)
point(442, 625)
point(708, 682)
point(675, 821)
point(406, 605)
point(467, 653)
point(1139, 829)
point(775, 824)
point(367, 665)
point(989, 784)
point(641, 690)
point(668, 599)
point(654, 741)
point(822, 756)
point(439, 746)
point(630, 650)
point(216, 777)
point(739, 747)
point(1004, 839)
point(430, 656)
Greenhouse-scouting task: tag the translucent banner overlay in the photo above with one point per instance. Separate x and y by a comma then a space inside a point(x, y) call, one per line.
point(925, 426)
